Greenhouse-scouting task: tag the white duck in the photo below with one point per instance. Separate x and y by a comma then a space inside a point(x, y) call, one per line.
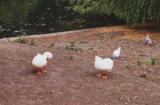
point(116, 53)
point(40, 62)
point(148, 40)
point(104, 65)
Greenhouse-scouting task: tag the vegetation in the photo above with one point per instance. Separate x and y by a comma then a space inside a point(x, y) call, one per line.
point(151, 62)
point(15, 11)
point(72, 47)
point(20, 17)
point(51, 45)
point(25, 40)
point(22, 40)
point(130, 10)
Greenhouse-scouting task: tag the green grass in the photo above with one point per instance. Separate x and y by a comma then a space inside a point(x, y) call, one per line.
point(148, 62)
point(32, 42)
point(72, 47)
point(24, 40)
point(51, 45)
point(151, 62)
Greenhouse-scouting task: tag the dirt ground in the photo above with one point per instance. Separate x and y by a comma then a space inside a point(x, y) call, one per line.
point(71, 79)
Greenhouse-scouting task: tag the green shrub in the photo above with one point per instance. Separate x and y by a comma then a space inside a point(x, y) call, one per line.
point(131, 10)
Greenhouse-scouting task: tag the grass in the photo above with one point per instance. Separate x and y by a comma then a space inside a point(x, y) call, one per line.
point(72, 47)
point(151, 62)
point(24, 40)
point(51, 45)
point(148, 62)
point(32, 42)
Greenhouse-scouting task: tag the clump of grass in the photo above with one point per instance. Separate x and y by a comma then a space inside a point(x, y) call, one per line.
point(72, 47)
point(83, 42)
point(51, 45)
point(22, 40)
point(151, 62)
point(148, 62)
point(32, 42)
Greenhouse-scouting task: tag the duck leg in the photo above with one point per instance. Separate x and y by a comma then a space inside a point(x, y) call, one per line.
point(99, 74)
point(40, 71)
point(102, 75)
point(44, 70)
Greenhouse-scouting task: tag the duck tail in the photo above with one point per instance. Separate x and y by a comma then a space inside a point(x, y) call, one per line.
point(48, 55)
point(113, 57)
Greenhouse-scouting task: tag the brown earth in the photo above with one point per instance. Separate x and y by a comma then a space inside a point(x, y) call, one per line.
point(71, 79)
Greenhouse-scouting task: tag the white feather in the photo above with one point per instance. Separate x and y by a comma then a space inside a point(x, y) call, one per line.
point(39, 61)
point(147, 37)
point(103, 64)
point(148, 40)
point(48, 55)
point(116, 53)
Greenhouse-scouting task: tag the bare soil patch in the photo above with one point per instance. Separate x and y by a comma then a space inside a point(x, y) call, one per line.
point(71, 79)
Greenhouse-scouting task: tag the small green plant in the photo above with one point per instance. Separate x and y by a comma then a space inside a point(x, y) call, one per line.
point(72, 47)
point(51, 45)
point(22, 40)
point(151, 62)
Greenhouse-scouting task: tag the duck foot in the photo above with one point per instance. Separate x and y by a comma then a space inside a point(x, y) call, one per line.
point(44, 69)
point(102, 75)
point(40, 71)
point(148, 44)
